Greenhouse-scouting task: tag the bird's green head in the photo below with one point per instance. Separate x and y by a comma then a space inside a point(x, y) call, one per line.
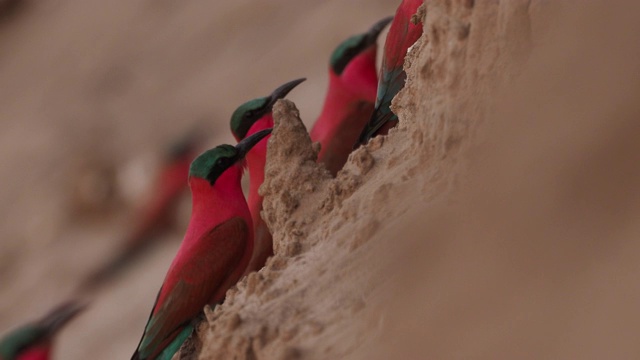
point(353, 46)
point(37, 333)
point(185, 145)
point(253, 110)
point(214, 162)
point(19, 340)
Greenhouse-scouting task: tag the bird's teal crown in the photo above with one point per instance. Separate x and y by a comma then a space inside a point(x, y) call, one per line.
point(346, 51)
point(213, 162)
point(247, 114)
point(18, 340)
point(183, 146)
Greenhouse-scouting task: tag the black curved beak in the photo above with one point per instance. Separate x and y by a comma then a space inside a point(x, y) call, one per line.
point(282, 91)
point(61, 315)
point(247, 143)
point(376, 29)
point(188, 143)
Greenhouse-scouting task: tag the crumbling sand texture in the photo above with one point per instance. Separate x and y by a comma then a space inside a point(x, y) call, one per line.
point(539, 257)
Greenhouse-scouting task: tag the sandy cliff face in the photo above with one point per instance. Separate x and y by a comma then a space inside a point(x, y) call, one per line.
point(495, 221)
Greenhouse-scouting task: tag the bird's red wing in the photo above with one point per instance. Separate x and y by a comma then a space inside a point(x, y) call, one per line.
point(402, 34)
point(219, 252)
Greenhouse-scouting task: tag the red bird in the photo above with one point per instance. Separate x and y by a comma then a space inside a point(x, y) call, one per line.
point(157, 213)
point(34, 341)
point(214, 252)
point(250, 118)
point(402, 34)
point(170, 184)
point(350, 97)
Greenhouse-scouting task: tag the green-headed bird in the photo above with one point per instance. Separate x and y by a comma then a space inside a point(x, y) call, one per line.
point(214, 252)
point(248, 119)
point(35, 340)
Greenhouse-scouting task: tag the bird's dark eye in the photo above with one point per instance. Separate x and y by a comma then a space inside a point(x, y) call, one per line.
point(221, 162)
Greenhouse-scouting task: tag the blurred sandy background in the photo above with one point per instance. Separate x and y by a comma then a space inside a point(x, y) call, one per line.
point(96, 87)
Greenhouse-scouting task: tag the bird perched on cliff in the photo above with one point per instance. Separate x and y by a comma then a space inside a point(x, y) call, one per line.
point(350, 98)
point(214, 252)
point(402, 34)
point(35, 340)
point(156, 214)
point(249, 118)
